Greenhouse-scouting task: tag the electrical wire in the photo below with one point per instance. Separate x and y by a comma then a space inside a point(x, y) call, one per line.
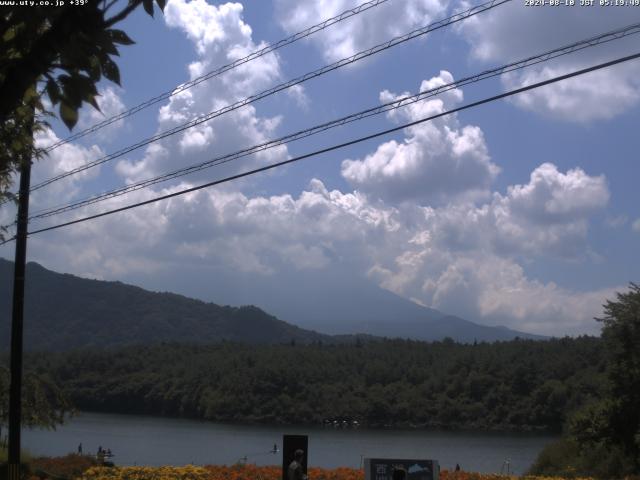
point(220, 70)
point(283, 86)
point(398, 103)
point(342, 145)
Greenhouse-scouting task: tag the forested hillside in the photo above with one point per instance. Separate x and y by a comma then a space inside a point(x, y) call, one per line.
point(518, 384)
point(64, 312)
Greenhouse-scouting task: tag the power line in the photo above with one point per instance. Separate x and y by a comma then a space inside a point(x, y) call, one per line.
point(283, 86)
point(343, 145)
point(401, 102)
point(220, 70)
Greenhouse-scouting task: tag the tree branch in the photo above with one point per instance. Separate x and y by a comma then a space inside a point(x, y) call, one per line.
point(124, 13)
point(109, 5)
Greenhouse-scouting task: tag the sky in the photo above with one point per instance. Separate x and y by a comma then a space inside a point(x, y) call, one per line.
point(523, 212)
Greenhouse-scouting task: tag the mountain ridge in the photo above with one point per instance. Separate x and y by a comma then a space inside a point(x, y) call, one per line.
point(99, 313)
point(342, 303)
point(63, 311)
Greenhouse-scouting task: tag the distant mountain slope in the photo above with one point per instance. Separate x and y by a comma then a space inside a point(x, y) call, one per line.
point(345, 304)
point(63, 311)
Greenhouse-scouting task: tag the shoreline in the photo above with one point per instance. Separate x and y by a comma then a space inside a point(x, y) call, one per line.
point(426, 427)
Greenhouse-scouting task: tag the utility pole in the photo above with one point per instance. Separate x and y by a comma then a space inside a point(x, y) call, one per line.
point(15, 390)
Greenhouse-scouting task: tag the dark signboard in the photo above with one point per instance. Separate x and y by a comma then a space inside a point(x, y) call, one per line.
point(400, 469)
point(291, 443)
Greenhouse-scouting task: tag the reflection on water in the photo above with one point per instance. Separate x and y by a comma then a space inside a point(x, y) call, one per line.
point(160, 441)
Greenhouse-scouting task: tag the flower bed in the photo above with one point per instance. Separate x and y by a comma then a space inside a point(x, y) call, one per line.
point(69, 466)
point(252, 472)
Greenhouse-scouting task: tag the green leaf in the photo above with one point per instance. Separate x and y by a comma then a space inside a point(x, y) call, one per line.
point(9, 35)
point(72, 54)
point(31, 94)
point(16, 145)
point(94, 69)
point(148, 6)
point(110, 70)
point(69, 115)
point(104, 42)
point(53, 91)
point(108, 47)
point(92, 100)
point(77, 88)
point(161, 4)
point(118, 36)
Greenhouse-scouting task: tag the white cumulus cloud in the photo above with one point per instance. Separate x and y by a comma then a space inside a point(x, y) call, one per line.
point(383, 22)
point(515, 31)
point(547, 216)
point(555, 197)
point(498, 290)
point(438, 161)
point(451, 257)
point(110, 105)
point(58, 161)
point(220, 36)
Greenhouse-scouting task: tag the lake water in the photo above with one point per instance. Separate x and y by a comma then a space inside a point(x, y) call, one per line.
point(140, 440)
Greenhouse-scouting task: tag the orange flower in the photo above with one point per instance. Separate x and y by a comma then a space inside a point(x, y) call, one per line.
point(83, 468)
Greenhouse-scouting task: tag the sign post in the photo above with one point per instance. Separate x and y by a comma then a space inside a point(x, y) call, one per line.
point(291, 443)
point(400, 469)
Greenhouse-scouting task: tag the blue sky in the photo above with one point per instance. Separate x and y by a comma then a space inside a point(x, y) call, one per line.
point(523, 212)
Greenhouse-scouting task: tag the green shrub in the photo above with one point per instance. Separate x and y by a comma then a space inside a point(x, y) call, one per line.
point(564, 458)
point(559, 458)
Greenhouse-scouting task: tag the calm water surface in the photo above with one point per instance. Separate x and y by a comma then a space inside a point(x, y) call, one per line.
point(139, 440)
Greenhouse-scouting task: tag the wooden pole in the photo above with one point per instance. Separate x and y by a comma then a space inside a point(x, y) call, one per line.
point(15, 389)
